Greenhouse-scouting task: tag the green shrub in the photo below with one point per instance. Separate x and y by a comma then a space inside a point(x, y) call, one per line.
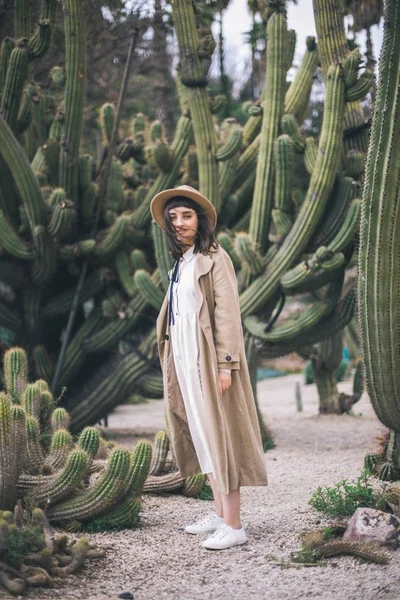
point(345, 497)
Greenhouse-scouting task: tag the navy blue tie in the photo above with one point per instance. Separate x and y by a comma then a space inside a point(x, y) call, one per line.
point(174, 279)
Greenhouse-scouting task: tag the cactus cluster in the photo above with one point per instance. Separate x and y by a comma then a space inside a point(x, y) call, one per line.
point(63, 216)
point(74, 481)
point(32, 555)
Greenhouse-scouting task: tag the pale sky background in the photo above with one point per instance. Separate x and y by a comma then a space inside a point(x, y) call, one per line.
point(237, 20)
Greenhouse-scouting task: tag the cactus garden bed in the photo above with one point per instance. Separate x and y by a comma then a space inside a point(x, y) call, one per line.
point(158, 560)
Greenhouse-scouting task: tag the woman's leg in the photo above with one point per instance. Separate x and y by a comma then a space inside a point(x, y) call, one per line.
point(231, 509)
point(227, 505)
point(217, 495)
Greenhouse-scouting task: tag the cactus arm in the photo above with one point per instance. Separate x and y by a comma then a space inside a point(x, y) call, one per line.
point(325, 328)
point(333, 49)
point(273, 109)
point(312, 209)
point(380, 235)
point(141, 217)
point(298, 95)
point(231, 147)
point(75, 354)
point(349, 228)
point(152, 294)
point(25, 180)
point(113, 238)
point(40, 41)
point(74, 23)
point(12, 243)
point(163, 254)
point(332, 43)
point(22, 18)
point(25, 113)
point(152, 385)
point(337, 206)
point(15, 373)
point(164, 483)
point(100, 497)
point(123, 268)
point(64, 483)
point(192, 73)
point(17, 72)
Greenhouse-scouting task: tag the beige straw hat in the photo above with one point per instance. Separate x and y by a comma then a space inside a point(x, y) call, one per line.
point(159, 201)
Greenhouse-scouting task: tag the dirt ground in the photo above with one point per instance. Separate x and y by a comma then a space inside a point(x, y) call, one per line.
point(159, 561)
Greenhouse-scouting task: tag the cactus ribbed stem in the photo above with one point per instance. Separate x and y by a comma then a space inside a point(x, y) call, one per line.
point(60, 419)
point(164, 483)
point(9, 456)
point(313, 206)
point(100, 497)
point(75, 354)
point(379, 315)
point(275, 86)
point(75, 68)
point(161, 447)
point(61, 444)
point(298, 95)
point(203, 126)
point(25, 180)
point(35, 457)
point(22, 18)
point(179, 147)
point(65, 482)
point(12, 243)
point(145, 285)
point(17, 73)
point(15, 373)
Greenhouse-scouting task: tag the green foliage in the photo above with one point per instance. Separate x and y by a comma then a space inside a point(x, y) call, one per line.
point(345, 497)
point(205, 493)
point(20, 542)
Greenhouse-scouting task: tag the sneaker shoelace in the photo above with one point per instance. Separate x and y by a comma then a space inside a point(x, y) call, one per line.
point(221, 532)
point(205, 521)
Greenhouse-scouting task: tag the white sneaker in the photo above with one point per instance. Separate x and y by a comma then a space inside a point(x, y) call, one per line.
point(225, 537)
point(206, 525)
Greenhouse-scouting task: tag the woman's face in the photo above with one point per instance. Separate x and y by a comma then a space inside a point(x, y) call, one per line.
point(185, 222)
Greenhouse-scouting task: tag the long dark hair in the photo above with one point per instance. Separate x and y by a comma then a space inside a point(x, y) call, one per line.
point(205, 239)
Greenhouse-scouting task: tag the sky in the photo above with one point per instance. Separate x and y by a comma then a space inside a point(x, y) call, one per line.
point(237, 20)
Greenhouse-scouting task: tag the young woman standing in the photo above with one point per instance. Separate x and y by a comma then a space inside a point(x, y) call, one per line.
point(209, 401)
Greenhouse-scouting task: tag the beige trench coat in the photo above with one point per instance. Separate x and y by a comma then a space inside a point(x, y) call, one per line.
point(234, 434)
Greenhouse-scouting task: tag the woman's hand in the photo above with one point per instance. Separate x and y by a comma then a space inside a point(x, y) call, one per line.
point(224, 382)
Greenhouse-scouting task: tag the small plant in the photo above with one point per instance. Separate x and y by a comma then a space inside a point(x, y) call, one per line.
point(345, 497)
point(205, 493)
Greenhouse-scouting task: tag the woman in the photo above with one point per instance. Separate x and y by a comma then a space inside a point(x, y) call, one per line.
point(209, 402)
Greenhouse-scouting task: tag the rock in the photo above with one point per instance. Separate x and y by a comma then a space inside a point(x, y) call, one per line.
point(126, 595)
point(371, 525)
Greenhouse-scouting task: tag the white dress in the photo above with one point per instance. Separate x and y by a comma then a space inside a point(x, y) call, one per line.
point(185, 348)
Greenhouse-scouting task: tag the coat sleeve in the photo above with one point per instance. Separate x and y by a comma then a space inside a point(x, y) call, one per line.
point(228, 334)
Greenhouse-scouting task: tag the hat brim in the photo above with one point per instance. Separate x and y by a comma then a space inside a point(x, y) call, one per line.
point(159, 201)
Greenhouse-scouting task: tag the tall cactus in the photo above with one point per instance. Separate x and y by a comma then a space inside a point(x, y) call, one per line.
point(280, 244)
point(380, 236)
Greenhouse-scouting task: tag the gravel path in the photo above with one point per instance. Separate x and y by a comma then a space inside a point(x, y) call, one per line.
point(159, 561)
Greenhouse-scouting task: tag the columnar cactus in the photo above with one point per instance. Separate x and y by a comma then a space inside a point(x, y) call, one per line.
point(379, 239)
